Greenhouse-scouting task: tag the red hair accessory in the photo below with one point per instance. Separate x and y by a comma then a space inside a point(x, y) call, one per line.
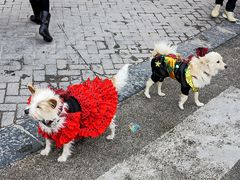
point(201, 51)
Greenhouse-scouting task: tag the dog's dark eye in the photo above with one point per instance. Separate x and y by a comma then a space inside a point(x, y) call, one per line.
point(38, 107)
point(218, 61)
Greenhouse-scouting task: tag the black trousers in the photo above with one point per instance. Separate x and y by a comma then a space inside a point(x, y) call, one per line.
point(230, 6)
point(39, 5)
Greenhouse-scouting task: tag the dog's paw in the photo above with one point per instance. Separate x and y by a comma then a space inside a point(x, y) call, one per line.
point(161, 94)
point(199, 104)
point(147, 95)
point(110, 137)
point(62, 159)
point(181, 106)
point(44, 152)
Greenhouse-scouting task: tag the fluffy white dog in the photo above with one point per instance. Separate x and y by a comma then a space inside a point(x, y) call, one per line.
point(192, 74)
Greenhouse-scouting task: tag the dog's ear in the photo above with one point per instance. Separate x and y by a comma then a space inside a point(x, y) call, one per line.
point(204, 60)
point(31, 88)
point(207, 61)
point(53, 103)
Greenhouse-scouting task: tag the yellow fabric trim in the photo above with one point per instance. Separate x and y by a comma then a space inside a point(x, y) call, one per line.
point(171, 64)
point(189, 79)
point(170, 61)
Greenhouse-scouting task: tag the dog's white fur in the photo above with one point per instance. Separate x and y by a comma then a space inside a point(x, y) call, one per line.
point(203, 68)
point(45, 105)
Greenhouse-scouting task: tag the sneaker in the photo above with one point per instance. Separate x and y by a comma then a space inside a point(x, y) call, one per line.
point(230, 16)
point(215, 11)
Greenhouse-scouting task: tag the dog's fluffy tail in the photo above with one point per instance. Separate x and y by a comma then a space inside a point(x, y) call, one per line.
point(120, 79)
point(164, 48)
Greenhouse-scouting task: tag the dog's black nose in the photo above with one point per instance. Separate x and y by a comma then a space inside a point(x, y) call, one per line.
point(225, 66)
point(26, 111)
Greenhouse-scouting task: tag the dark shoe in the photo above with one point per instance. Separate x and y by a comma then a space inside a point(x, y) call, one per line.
point(43, 30)
point(35, 19)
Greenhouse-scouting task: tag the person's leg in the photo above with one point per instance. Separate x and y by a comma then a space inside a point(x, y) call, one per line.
point(36, 11)
point(219, 2)
point(230, 6)
point(45, 20)
point(228, 13)
point(44, 5)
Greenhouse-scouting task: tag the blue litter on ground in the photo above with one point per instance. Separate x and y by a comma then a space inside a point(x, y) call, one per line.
point(134, 127)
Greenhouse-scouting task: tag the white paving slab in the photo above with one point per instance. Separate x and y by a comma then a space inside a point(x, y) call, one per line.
point(205, 145)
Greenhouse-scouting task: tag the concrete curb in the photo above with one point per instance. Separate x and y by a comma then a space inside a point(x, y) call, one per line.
point(18, 141)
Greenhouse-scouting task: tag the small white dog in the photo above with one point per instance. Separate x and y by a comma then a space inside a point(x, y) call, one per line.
point(192, 74)
point(83, 110)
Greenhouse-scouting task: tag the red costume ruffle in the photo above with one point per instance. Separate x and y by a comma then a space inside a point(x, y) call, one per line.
point(98, 100)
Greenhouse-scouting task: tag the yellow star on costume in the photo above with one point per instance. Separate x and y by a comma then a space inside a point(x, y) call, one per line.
point(157, 64)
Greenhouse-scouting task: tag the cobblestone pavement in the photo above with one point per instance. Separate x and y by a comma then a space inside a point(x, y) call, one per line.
point(107, 34)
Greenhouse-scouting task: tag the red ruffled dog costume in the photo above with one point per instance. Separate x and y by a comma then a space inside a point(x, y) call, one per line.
point(98, 100)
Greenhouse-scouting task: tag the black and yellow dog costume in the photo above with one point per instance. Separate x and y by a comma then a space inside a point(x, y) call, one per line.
point(172, 66)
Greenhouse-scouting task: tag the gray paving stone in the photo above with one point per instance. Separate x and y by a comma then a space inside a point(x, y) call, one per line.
point(87, 74)
point(61, 64)
point(20, 110)
point(63, 85)
point(118, 66)
point(51, 69)
point(12, 88)
point(97, 68)
point(16, 99)
point(7, 118)
point(101, 45)
point(39, 75)
point(7, 107)
point(107, 63)
point(25, 81)
point(68, 72)
point(3, 85)
point(2, 96)
point(116, 58)
point(111, 72)
point(92, 49)
point(8, 78)
point(78, 67)
point(76, 80)
point(24, 92)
